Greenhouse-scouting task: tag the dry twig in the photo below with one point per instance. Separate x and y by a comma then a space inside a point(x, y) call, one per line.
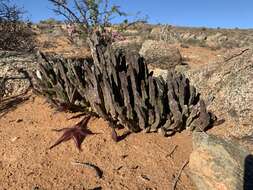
point(174, 185)
point(172, 151)
point(99, 172)
point(236, 55)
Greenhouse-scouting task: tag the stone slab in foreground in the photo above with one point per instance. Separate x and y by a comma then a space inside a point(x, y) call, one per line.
point(217, 164)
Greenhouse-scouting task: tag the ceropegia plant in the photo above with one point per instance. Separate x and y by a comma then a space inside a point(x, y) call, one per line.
point(118, 87)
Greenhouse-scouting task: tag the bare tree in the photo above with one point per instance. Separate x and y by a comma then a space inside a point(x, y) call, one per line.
point(10, 12)
point(89, 14)
point(15, 34)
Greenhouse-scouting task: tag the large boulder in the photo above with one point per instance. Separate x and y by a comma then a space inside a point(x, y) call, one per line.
point(229, 84)
point(16, 69)
point(217, 164)
point(161, 54)
point(129, 45)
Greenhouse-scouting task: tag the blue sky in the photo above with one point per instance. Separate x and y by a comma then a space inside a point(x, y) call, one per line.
point(208, 13)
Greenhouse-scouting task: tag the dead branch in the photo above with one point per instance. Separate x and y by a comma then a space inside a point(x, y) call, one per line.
point(174, 185)
point(236, 55)
point(65, 8)
point(172, 151)
point(99, 172)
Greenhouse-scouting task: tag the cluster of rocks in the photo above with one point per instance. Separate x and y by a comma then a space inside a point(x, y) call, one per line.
point(214, 38)
point(15, 69)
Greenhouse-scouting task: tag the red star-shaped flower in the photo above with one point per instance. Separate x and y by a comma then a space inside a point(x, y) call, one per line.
point(78, 132)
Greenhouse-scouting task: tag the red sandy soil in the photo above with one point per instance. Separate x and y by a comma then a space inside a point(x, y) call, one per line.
point(62, 46)
point(198, 56)
point(139, 161)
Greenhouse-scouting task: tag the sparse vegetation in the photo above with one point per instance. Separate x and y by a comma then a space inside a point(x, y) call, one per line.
point(88, 14)
point(15, 33)
point(50, 21)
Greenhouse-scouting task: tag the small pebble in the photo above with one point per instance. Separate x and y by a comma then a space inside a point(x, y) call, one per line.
point(19, 120)
point(144, 177)
point(119, 168)
point(14, 139)
point(124, 156)
point(96, 188)
point(135, 167)
point(36, 188)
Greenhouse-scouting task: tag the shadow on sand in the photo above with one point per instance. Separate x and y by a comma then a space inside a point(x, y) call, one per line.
point(10, 104)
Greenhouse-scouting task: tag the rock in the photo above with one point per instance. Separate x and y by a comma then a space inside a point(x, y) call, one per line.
point(57, 31)
point(217, 164)
point(36, 188)
point(165, 33)
point(189, 37)
point(201, 37)
point(16, 68)
point(186, 36)
point(230, 83)
point(247, 141)
point(160, 72)
point(19, 120)
point(156, 33)
point(14, 139)
point(182, 68)
point(131, 32)
point(132, 45)
point(216, 40)
point(184, 46)
point(161, 54)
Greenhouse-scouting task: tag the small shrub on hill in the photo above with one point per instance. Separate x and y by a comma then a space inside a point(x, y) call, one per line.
point(15, 33)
